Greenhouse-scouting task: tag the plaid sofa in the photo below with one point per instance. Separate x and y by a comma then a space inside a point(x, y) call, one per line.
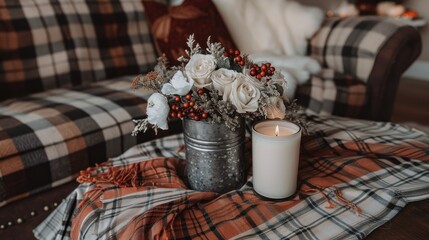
point(66, 67)
point(46, 48)
point(363, 60)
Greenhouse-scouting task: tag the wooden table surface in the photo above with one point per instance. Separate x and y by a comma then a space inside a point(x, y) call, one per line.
point(412, 222)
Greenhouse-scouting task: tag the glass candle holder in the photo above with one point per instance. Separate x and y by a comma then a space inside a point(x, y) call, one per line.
point(275, 158)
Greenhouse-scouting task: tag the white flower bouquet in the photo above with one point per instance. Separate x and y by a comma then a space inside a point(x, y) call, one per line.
point(214, 86)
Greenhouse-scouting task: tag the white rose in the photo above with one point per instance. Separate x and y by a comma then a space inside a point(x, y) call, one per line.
point(199, 68)
point(179, 85)
point(223, 78)
point(243, 95)
point(157, 110)
point(276, 108)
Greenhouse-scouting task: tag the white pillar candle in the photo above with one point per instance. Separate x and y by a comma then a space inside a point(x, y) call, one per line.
point(275, 158)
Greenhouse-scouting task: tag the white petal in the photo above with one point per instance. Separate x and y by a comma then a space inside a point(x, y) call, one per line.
point(179, 85)
point(157, 110)
point(179, 81)
point(168, 89)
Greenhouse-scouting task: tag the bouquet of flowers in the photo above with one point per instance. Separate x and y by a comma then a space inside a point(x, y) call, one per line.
point(214, 86)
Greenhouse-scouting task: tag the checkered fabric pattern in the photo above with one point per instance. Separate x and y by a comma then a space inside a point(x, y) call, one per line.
point(350, 45)
point(378, 166)
point(49, 44)
point(47, 138)
point(332, 93)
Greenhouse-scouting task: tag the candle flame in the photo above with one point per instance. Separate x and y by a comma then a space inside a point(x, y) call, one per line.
point(277, 131)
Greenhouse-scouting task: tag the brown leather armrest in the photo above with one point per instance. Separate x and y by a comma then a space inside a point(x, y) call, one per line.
point(398, 53)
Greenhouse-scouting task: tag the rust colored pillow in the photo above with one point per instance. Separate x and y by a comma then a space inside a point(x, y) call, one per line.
point(171, 26)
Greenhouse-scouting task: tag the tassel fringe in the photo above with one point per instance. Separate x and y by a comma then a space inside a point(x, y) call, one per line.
point(338, 195)
point(122, 177)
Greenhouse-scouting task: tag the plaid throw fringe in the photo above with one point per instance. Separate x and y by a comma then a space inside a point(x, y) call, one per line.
point(338, 195)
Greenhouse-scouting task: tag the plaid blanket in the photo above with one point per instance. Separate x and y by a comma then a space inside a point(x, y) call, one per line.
point(379, 167)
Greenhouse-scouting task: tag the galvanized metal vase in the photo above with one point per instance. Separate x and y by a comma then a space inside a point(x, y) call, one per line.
point(214, 156)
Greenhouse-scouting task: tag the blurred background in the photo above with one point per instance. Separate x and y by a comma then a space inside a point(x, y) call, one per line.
point(412, 99)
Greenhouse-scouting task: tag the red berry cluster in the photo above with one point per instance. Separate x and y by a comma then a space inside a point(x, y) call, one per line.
point(185, 107)
point(265, 70)
point(235, 54)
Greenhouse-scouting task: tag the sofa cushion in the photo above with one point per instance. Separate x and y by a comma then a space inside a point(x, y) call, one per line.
point(332, 93)
point(50, 44)
point(171, 26)
point(47, 138)
point(351, 45)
